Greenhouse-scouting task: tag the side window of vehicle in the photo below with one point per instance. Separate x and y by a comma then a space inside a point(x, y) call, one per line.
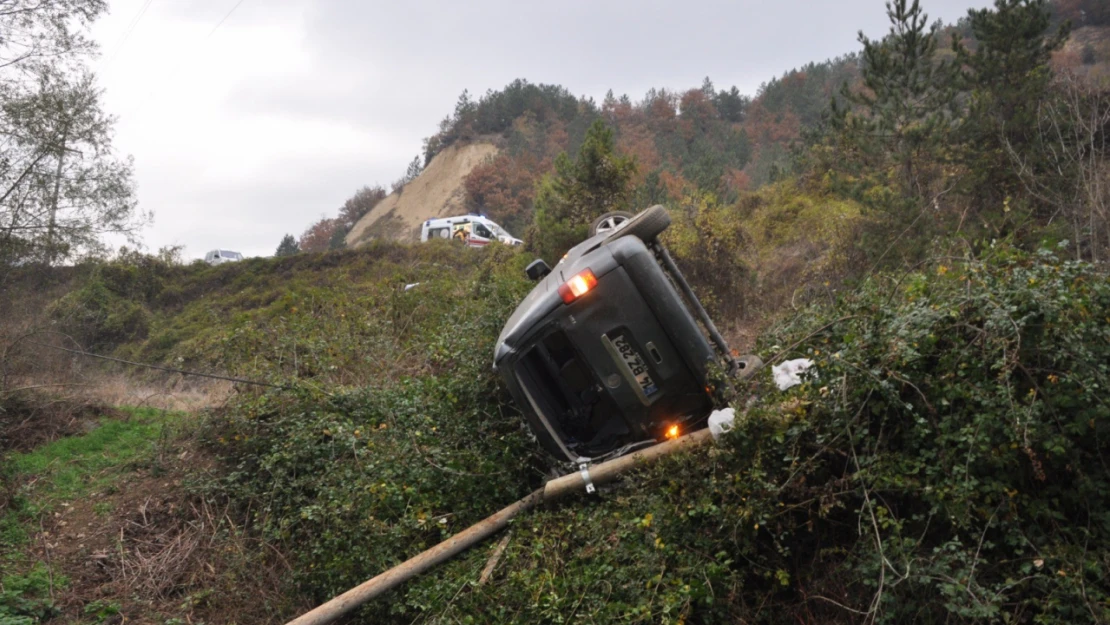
point(482, 231)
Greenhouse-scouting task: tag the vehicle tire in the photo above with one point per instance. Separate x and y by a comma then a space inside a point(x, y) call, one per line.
point(646, 225)
point(610, 222)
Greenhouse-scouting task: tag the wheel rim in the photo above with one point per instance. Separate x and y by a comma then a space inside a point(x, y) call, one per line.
point(609, 224)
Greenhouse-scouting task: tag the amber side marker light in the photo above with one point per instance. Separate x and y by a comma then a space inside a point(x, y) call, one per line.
point(672, 432)
point(577, 286)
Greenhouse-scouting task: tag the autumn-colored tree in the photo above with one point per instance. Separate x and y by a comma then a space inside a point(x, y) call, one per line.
point(696, 108)
point(503, 188)
point(362, 202)
point(1083, 12)
point(318, 236)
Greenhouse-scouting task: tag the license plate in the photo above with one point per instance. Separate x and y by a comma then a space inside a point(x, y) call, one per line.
point(635, 363)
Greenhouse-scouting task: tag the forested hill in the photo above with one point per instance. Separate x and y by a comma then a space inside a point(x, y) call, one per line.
point(709, 140)
point(712, 139)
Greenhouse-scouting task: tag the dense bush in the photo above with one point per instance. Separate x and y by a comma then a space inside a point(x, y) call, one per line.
point(776, 246)
point(949, 461)
point(946, 463)
point(110, 305)
point(353, 482)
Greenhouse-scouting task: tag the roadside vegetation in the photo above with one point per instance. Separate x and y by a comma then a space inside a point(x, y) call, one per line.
point(943, 266)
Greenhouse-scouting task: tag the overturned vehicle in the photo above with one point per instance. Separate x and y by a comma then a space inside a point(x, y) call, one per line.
point(612, 350)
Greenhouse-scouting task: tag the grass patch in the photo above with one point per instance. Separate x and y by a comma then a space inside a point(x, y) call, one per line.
point(65, 470)
point(75, 466)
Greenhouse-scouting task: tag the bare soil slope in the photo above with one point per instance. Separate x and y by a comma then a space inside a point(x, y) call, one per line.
point(436, 192)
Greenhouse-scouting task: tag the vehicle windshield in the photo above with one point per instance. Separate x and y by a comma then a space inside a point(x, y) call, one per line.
point(231, 255)
point(497, 230)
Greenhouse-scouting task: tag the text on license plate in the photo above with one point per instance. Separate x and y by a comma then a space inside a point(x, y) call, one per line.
point(635, 363)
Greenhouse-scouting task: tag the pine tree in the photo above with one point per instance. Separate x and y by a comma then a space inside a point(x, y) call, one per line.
point(908, 102)
point(580, 190)
point(287, 247)
point(731, 105)
point(1007, 76)
point(414, 169)
point(338, 240)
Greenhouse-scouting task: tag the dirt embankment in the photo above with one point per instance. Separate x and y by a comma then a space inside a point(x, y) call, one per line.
point(436, 192)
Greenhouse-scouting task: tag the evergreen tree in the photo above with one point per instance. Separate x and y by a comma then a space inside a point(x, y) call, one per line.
point(338, 240)
point(707, 88)
point(908, 104)
point(1007, 76)
point(413, 170)
point(287, 247)
point(731, 105)
point(580, 190)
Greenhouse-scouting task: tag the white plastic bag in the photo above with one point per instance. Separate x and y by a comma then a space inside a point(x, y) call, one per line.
point(790, 372)
point(721, 422)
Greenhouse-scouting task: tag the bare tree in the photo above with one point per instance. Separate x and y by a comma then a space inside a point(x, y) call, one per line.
point(1073, 173)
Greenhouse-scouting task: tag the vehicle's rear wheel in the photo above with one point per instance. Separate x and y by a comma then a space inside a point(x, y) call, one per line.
point(646, 225)
point(610, 222)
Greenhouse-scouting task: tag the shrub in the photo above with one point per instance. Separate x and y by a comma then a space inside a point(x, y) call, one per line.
point(25, 599)
point(97, 316)
point(353, 482)
point(947, 465)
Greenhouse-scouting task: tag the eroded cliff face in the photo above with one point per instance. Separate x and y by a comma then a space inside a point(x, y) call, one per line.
point(437, 192)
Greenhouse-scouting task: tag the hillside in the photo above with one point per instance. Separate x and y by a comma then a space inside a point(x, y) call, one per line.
point(936, 244)
point(952, 443)
point(436, 192)
point(685, 142)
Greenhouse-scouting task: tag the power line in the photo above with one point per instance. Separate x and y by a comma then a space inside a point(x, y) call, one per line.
point(127, 32)
point(224, 19)
point(177, 69)
point(160, 368)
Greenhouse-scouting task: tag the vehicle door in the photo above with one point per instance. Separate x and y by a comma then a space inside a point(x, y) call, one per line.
point(480, 235)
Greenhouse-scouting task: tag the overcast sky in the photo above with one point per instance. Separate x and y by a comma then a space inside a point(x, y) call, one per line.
point(254, 129)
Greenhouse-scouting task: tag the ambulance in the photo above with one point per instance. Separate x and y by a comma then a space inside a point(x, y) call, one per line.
point(472, 230)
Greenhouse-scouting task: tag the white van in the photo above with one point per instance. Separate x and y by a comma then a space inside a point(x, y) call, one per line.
point(218, 257)
point(473, 230)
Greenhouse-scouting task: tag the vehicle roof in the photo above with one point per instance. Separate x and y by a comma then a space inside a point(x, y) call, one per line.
point(458, 218)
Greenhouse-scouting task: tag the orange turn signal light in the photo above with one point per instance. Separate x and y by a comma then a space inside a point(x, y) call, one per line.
point(672, 432)
point(577, 286)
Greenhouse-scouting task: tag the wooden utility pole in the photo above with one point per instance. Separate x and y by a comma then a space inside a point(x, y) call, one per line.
point(582, 480)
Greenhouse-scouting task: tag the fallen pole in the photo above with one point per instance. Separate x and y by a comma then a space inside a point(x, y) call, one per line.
point(552, 491)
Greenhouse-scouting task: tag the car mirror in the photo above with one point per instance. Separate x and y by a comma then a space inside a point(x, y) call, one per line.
point(537, 269)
